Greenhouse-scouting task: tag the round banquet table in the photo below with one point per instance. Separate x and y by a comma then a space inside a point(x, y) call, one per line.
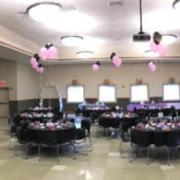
point(50, 136)
point(115, 122)
point(94, 112)
point(145, 138)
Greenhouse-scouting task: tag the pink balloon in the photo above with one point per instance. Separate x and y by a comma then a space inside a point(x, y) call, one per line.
point(161, 50)
point(34, 63)
point(41, 70)
point(95, 67)
point(37, 69)
point(153, 69)
point(33, 60)
point(44, 53)
point(158, 48)
point(152, 66)
point(154, 46)
point(116, 61)
point(52, 53)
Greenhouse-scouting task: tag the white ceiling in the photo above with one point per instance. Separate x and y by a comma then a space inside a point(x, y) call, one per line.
point(115, 27)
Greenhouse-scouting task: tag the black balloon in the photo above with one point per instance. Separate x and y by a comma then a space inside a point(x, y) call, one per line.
point(98, 63)
point(40, 65)
point(112, 55)
point(48, 45)
point(36, 56)
point(157, 37)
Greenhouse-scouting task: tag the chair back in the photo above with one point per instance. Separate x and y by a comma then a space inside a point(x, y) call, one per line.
point(140, 137)
point(48, 137)
point(160, 138)
point(68, 134)
point(21, 134)
point(172, 138)
point(80, 134)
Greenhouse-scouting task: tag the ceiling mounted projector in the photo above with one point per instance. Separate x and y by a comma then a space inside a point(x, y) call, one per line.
point(141, 36)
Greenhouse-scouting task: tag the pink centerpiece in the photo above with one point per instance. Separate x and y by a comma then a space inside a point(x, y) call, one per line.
point(50, 125)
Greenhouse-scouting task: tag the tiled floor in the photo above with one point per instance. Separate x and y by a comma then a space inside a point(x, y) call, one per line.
point(103, 163)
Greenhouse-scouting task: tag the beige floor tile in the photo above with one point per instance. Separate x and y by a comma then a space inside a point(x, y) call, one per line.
point(135, 173)
point(103, 163)
point(77, 173)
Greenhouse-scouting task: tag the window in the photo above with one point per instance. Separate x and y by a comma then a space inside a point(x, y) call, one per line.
point(75, 94)
point(139, 93)
point(171, 92)
point(107, 93)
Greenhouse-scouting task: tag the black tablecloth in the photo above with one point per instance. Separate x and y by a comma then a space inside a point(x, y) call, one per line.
point(156, 137)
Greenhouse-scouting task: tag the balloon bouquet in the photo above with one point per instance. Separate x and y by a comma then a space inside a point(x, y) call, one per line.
point(46, 53)
point(158, 48)
point(96, 66)
point(116, 61)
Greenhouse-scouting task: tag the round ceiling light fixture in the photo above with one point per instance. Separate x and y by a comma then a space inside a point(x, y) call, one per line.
point(74, 22)
point(168, 39)
point(84, 54)
point(44, 12)
point(72, 41)
point(61, 18)
point(176, 4)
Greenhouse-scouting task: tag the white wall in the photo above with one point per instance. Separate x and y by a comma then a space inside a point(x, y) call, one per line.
point(124, 76)
point(28, 82)
point(8, 72)
point(21, 78)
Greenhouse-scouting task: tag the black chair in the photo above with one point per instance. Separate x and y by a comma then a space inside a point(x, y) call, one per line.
point(125, 124)
point(49, 138)
point(21, 135)
point(161, 141)
point(68, 135)
point(140, 138)
point(81, 140)
point(172, 141)
point(114, 123)
point(86, 124)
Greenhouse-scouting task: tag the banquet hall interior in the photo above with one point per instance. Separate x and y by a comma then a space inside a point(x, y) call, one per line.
point(89, 89)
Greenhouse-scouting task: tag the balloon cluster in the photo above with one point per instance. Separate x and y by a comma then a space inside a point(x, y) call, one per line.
point(48, 52)
point(116, 61)
point(156, 45)
point(152, 66)
point(38, 67)
point(96, 66)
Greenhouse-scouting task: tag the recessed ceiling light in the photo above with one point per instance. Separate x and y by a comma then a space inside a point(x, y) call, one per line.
point(72, 41)
point(84, 54)
point(168, 39)
point(44, 12)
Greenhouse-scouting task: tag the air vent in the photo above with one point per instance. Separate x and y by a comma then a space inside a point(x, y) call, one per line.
point(114, 3)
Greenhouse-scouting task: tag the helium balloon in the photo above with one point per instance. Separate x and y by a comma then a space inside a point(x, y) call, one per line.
point(116, 61)
point(95, 67)
point(44, 53)
point(152, 66)
point(52, 53)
